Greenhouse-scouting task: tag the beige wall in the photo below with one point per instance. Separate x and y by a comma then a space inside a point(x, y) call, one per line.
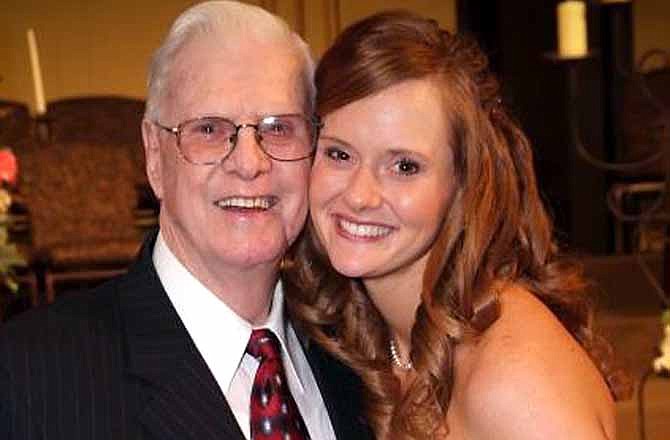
point(652, 25)
point(103, 46)
point(86, 47)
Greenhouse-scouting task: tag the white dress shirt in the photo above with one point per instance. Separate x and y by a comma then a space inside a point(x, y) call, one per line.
point(221, 336)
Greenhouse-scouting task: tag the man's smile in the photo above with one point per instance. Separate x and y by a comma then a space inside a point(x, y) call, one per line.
point(239, 202)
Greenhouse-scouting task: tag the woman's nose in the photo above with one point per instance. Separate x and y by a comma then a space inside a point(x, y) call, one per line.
point(363, 190)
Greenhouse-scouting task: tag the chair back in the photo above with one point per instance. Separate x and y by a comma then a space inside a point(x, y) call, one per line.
point(103, 119)
point(100, 119)
point(15, 124)
point(81, 196)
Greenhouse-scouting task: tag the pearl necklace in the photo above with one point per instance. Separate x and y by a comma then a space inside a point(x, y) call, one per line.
point(395, 357)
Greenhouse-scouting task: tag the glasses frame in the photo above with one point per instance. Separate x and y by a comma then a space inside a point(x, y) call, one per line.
point(314, 121)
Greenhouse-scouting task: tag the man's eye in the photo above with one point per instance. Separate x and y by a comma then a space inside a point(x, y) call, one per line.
point(337, 154)
point(204, 128)
point(207, 129)
point(278, 128)
point(406, 167)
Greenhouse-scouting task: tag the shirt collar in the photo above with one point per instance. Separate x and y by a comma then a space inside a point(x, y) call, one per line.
point(218, 332)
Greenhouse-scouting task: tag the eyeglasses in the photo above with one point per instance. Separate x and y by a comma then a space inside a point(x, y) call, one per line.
point(210, 140)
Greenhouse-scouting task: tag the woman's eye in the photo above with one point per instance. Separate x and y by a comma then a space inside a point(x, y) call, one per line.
point(337, 154)
point(406, 167)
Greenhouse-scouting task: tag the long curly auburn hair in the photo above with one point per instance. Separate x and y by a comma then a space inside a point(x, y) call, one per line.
point(496, 233)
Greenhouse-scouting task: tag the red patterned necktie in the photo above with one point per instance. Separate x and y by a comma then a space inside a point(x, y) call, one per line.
point(274, 414)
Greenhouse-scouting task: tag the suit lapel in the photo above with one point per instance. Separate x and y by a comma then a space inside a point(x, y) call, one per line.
point(180, 397)
point(341, 392)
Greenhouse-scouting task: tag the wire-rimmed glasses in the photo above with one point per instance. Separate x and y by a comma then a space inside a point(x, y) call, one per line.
point(209, 140)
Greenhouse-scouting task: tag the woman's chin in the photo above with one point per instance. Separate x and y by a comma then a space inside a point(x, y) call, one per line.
point(355, 270)
point(350, 270)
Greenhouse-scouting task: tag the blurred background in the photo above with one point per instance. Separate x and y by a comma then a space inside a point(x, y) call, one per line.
point(81, 221)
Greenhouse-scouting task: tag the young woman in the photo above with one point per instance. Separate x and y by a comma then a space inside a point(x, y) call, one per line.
point(429, 265)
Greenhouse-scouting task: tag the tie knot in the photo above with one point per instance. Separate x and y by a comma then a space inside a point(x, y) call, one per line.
point(263, 344)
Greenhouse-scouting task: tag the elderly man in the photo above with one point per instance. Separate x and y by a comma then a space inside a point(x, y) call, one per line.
point(193, 342)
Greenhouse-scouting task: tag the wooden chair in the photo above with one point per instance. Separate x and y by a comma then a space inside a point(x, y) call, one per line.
point(80, 198)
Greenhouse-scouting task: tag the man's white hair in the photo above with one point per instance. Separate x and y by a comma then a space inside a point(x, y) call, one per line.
point(229, 20)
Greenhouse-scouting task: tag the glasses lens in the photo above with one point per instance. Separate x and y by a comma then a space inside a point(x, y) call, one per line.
point(287, 137)
point(206, 140)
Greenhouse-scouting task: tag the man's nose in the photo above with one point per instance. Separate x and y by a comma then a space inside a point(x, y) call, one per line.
point(247, 159)
point(364, 190)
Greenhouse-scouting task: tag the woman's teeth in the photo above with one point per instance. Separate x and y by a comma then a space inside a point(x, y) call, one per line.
point(361, 230)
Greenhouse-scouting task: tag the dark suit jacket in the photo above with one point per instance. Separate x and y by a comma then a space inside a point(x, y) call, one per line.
point(117, 363)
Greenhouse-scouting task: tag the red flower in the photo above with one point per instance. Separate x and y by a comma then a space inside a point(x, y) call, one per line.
point(9, 167)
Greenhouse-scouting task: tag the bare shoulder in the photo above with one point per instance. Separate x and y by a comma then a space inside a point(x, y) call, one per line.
point(527, 378)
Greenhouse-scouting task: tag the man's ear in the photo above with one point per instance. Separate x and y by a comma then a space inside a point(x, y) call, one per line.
point(150, 138)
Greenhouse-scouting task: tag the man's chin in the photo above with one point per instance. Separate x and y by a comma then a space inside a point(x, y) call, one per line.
point(250, 255)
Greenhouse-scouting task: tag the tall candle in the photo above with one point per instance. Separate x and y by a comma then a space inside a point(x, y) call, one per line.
point(40, 102)
point(572, 41)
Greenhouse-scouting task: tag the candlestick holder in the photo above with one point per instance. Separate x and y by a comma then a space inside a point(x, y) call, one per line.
point(660, 207)
point(42, 128)
point(572, 65)
point(556, 57)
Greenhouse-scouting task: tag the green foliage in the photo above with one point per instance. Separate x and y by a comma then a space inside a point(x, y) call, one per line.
point(10, 257)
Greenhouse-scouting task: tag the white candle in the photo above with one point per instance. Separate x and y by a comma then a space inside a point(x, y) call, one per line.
point(572, 41)
point(40, 102)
